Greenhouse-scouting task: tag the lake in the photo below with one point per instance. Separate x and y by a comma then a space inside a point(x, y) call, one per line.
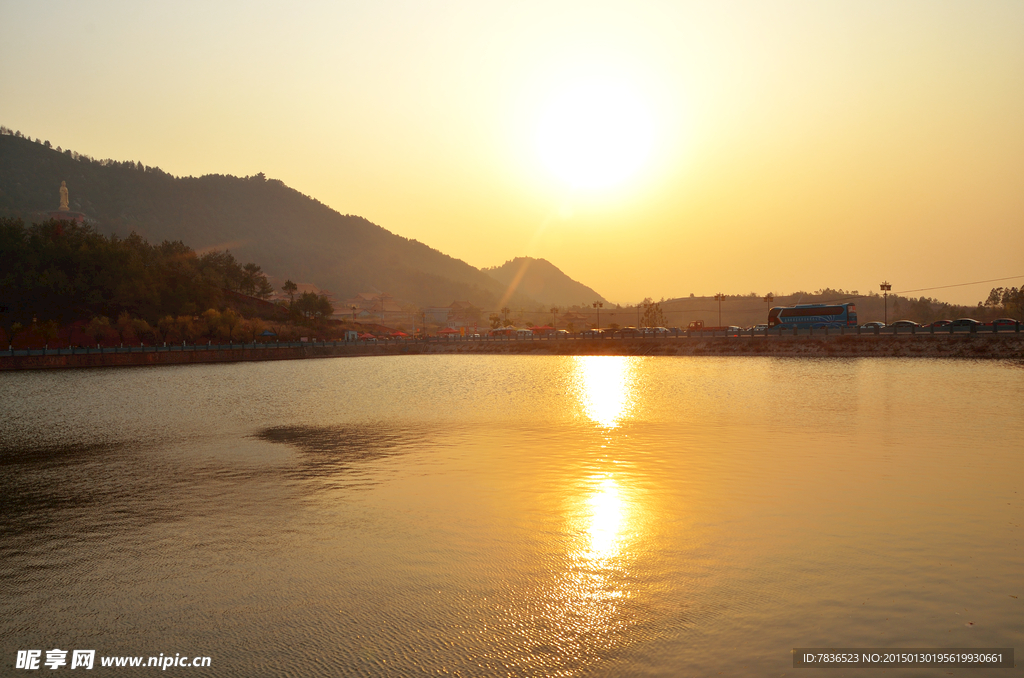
point(495, 515)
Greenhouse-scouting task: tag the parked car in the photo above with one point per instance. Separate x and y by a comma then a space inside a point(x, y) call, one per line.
point(656, 331)
point(965, 322)
point(1008, 323)
point(939, 323)
point(904, 323)
point(873, 325)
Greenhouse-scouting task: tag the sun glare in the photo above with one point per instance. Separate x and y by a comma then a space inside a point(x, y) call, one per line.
point(595, 134)
point(604, 387)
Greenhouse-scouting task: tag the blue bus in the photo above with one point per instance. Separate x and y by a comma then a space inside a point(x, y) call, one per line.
point(813, 316)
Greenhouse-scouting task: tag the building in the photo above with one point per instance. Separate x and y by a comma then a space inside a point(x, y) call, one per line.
point(463, 314)
point(456, 315)
point(579, 321)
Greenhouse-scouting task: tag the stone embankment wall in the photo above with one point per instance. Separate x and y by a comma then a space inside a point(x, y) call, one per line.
point(998, 346)
point(1007, 346)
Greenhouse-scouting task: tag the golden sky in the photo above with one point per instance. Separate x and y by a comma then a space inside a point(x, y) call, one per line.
point(646, 149)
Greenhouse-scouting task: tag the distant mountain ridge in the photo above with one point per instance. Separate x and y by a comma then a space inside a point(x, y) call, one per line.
point(287, 233)
point(543, 281)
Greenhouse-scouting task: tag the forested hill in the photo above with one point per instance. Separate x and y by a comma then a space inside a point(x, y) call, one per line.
point(543, 281)
point(289, 234)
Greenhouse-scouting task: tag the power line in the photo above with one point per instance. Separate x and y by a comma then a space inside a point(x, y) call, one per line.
point(627, 309)
point(942, 287)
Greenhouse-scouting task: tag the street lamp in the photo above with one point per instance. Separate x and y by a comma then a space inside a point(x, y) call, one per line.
point(354, 313)
point(718, 298)
point(885, 287)
point(598, 305)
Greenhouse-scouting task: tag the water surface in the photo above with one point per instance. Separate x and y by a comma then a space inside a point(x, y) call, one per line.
point(522, 516)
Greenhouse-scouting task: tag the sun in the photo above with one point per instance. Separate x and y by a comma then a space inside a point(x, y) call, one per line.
point(595, 134)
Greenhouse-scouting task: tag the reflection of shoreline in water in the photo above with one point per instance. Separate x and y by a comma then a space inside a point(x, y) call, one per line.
point(346, 455)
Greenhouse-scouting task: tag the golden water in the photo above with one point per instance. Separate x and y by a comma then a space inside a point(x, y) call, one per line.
point(524, 516)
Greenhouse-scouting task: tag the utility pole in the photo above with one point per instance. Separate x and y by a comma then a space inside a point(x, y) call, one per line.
point(885, 287)
point(718, 298)
point(768, 299)
point(598, 305)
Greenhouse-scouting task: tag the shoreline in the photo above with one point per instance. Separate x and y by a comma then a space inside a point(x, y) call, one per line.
point(963, 346)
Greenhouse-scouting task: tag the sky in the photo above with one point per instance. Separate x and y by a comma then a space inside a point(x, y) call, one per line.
point(648, 149)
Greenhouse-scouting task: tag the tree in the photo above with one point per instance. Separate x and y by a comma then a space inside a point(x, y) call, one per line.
point(143, 330)
point(98, 328)
point(495, 321)
point(254, 327)
point(264, 290)
point(324, 309)
point(14, 330)
point(254, 282)
point(290, 289)
point(229, 321)
point(312, 307)
point(165, 328)
point(305, 305)
point(652, 315)
point(185, 328)
point(1011, 299)
point(211, 321)
point(124, 326)
point(49, 330)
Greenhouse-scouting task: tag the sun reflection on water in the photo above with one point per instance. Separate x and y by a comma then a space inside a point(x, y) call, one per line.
point(604, 387)
point(588, 606)
point(587, 609)
point(606, 520)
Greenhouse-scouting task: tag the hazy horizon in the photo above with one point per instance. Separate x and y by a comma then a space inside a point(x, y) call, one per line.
point(654, 150)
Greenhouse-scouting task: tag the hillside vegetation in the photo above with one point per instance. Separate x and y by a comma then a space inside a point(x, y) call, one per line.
point(258, 219)
point(543, 281)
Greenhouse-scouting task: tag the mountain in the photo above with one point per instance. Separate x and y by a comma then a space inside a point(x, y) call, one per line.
point(543, 281)
point(261, 220)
